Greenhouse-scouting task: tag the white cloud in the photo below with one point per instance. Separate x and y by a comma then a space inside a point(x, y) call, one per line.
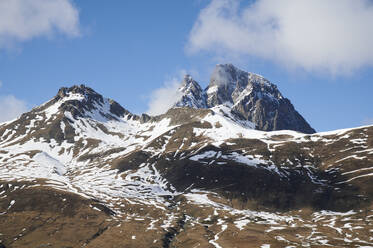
point(319, 35)
point(367, 122)
point(11, 107)
point(22, 20)
point(163, 98)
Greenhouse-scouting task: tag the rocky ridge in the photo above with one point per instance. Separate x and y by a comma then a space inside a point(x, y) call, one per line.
point(247, 95)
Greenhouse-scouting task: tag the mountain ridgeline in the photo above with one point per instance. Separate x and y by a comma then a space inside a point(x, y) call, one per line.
point(82, 171)
point(248, 96)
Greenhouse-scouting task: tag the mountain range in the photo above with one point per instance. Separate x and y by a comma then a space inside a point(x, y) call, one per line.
point(232, 165)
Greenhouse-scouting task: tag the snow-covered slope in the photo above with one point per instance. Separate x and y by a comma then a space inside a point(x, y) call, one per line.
point(194, 166)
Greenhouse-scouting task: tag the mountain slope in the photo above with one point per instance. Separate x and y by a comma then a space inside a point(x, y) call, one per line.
point(82, 164)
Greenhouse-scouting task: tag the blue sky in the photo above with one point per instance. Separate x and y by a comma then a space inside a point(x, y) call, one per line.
point(126, 50)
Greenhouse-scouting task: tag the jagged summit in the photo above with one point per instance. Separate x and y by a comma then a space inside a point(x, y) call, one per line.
point(192, 94)
point(77, 89)
point(228, 84)
point(248, 96)
point(83, 101)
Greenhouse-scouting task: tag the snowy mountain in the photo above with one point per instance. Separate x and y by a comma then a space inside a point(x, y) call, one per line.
point(82, 171)
point(247, 96)
point(192, 94)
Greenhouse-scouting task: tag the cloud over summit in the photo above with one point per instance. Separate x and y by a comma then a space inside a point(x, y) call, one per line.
point(318, 35)
point(164, 97)
point(10, 107)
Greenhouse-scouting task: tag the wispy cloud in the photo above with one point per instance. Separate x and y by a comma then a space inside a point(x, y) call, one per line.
point(22, 20)
point(368, 121)
point(163, 98)
point(11, 107)
point(319, 35)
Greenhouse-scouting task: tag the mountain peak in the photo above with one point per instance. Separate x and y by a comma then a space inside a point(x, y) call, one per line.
point(248, 95)
point(76, 89)
point(192, 95)
point(229, 83)
point(228, 74)
point(223, 74)
point(187, 82)
point(82, 101)
point(187, 77)
point(80, 93)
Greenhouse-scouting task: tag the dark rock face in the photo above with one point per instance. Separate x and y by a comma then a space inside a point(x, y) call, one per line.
point(117, 109)
point(247, 95)
point(270, 114)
